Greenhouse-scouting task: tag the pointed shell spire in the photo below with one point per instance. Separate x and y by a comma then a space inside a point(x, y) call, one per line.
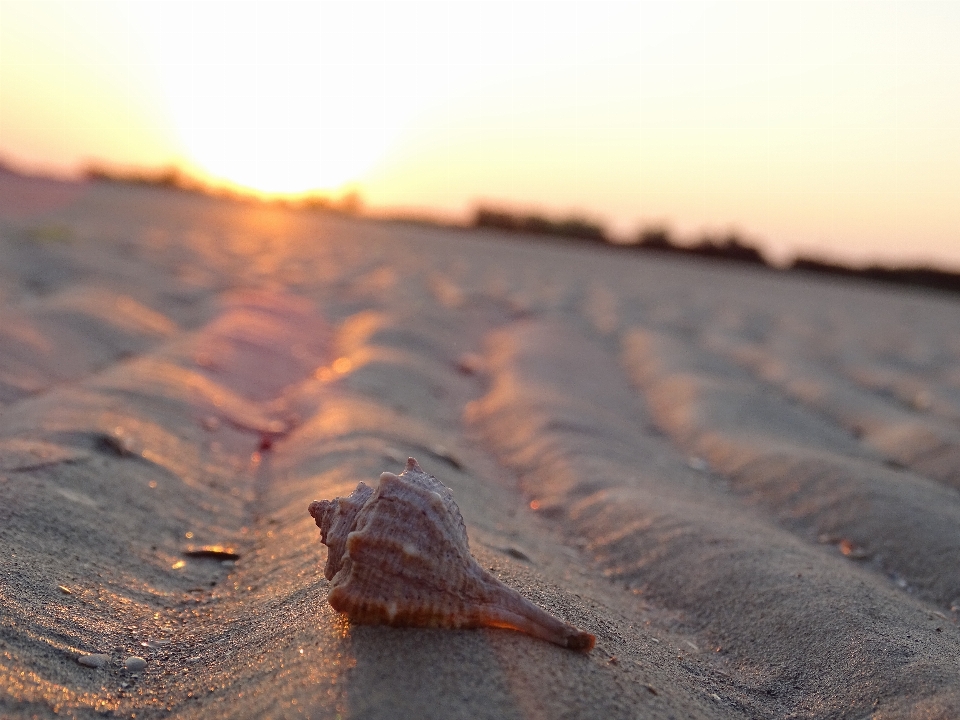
point(398, 555)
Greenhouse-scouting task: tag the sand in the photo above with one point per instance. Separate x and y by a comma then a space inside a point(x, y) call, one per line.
point(745, 484)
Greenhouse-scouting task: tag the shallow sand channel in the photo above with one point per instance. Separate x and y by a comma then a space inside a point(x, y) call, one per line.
point(744, 484)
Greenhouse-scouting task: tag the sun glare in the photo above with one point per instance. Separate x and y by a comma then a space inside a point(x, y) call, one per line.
point(265, 100)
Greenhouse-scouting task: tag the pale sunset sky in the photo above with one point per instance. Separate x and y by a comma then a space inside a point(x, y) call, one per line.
point(826, 128)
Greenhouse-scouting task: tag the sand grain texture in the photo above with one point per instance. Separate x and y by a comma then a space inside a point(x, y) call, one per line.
point(744, 484)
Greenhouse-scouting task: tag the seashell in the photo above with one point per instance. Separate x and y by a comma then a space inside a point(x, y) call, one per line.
point(398, 555)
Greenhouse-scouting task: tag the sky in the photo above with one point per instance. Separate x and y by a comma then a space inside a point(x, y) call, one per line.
point(809, 127)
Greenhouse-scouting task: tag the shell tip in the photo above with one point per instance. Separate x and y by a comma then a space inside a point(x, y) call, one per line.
point(581, 641)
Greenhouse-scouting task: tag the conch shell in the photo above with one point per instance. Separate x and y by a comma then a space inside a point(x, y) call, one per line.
point(398, 555)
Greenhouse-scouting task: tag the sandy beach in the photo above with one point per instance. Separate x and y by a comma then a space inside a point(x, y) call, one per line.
point(745, 484)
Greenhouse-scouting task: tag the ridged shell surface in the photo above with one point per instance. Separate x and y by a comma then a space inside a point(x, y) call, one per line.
point(399, 555)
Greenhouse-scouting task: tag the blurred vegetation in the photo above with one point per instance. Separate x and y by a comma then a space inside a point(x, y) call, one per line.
point(169, 177)
point(351, 203)
point(655, 238)
point(570, 227)
point(730, 247)
point(917, 276)
point(733, 248)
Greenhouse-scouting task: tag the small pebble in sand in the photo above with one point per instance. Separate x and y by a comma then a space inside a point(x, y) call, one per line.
point(517, 553)
point(118, 443)
point(134, 663)
point(94, 660)
point(852, 550)
point(212, 552)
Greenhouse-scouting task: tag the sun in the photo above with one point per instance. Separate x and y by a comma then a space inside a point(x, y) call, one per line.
point(259, 98)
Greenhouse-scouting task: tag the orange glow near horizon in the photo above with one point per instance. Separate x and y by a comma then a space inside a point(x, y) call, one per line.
point(67, 96)
point(810, 127)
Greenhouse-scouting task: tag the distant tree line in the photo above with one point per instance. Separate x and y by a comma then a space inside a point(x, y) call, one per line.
point(727, 248)
point(654, 239)
point(918, 276)
point(169, 177)
point(571, 227)
point(173, 178)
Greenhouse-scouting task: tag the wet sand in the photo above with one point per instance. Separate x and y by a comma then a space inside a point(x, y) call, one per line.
point(744, 484)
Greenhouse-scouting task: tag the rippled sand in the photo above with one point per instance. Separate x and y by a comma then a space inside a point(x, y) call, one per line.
point(745, 485)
